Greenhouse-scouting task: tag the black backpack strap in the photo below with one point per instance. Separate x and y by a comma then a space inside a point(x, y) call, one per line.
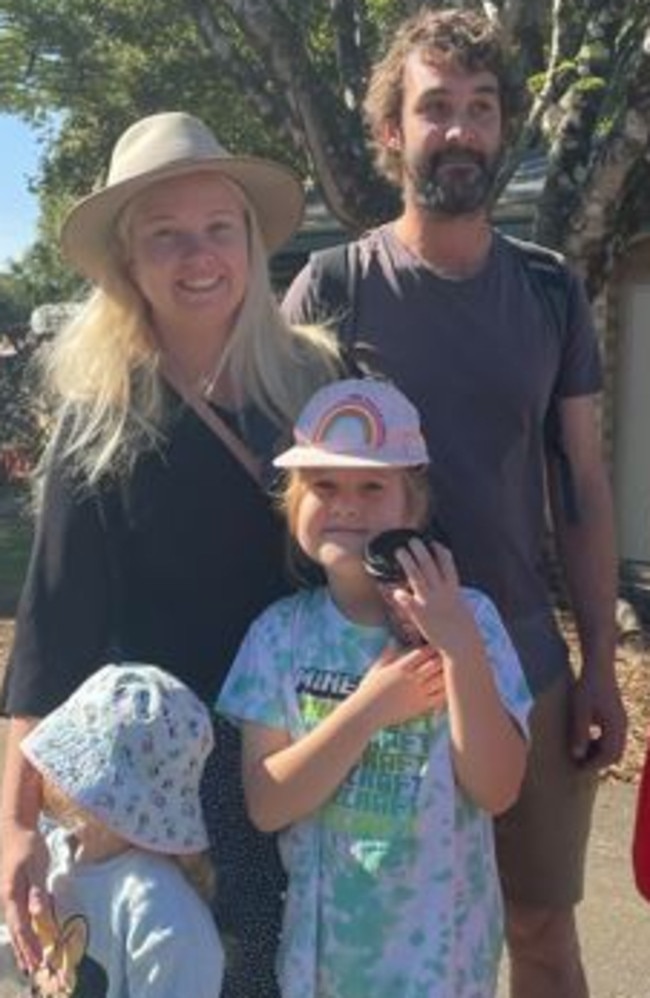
point(335, 283)
point(551, 282)
point(334, 278)
point(549, 279)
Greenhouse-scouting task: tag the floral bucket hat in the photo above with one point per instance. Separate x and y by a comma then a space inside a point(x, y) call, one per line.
point(129, 746)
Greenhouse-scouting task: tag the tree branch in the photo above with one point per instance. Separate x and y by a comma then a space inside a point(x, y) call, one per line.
point(250, 78)
point(347, 19)
point(592, 236)
point(574, 135)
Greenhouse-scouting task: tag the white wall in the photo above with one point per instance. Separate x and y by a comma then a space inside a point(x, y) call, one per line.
point(632, 426)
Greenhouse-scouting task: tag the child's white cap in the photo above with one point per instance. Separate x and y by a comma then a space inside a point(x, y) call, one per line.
point(129, 746)
point(357, 423)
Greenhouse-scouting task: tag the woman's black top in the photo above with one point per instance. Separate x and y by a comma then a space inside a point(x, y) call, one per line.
point(168, 564)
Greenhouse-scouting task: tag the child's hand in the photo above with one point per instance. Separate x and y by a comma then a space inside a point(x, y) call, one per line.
point(401, 686)
point(63, 947)
point(433, 598)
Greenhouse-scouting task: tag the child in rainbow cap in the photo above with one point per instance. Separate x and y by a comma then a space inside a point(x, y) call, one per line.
point(121, 761)
point(380, 767)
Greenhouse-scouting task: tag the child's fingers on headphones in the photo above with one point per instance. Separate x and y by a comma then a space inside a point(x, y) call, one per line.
point(445, 562)
point(414, 571)
point(421, 563)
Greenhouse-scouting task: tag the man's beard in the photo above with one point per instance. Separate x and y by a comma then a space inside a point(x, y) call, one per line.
point(457, 182)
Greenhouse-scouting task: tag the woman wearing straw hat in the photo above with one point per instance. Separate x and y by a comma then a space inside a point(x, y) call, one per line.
point(155, 541)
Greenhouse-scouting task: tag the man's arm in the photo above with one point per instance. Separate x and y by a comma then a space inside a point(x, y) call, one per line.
point(587, 550)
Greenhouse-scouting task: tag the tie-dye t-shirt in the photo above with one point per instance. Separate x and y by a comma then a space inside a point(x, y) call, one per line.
point(393, 887)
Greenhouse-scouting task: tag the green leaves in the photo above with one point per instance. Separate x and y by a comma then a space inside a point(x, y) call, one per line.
point(286, 78)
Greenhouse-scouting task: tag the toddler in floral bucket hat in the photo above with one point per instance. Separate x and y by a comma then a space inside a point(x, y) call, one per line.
point(121, 761)
point(129, 747)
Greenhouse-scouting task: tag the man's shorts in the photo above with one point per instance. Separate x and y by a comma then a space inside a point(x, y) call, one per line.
point(542, 840)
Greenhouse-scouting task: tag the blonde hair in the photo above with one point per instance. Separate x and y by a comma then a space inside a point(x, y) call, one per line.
point(290, 494)
point(111, 416)
point(196, 867)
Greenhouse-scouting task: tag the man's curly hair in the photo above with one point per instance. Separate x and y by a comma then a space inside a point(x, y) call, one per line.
point(461, 38)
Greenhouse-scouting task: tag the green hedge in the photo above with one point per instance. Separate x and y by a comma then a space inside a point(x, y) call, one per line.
point(15, 540)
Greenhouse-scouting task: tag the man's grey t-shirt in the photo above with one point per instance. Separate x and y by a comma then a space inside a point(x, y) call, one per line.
point(480, 359)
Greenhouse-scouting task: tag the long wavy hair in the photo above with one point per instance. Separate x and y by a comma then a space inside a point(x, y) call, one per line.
point(104, 366)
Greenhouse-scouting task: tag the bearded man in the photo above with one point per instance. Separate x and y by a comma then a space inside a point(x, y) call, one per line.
point(455, 318)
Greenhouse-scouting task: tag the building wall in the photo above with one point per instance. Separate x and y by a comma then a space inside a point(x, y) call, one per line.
point(628, 400)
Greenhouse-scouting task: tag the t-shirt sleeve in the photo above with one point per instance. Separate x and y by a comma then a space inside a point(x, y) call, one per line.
point(580, 370)
point(301, 302)
point(63, 619)
point(503, 658)
point(258, 687)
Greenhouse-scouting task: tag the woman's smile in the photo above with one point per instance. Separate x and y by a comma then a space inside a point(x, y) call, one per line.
point(189, 255)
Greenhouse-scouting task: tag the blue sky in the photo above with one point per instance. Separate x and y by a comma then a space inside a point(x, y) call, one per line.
point(19, 154)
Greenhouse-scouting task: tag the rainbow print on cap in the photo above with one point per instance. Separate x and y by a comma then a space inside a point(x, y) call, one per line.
point(357, 419)
point(357, 423)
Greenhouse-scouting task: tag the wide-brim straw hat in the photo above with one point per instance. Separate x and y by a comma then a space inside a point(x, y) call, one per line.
point(173, 144)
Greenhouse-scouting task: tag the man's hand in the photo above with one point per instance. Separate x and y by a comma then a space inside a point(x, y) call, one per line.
point(598, 720)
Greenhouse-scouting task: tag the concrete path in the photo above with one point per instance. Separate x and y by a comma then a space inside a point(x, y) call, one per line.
point(614, 920)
